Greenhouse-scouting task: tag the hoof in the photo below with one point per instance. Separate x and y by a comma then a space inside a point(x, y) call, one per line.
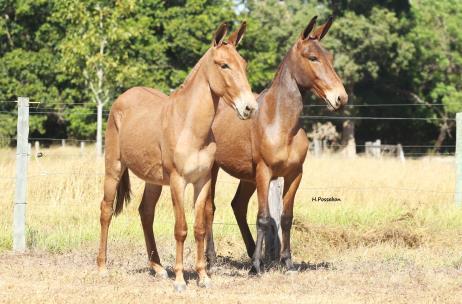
point(205, 282)
point(211, 261)
point(163, 274)
point(179, 286)
point(254, 272)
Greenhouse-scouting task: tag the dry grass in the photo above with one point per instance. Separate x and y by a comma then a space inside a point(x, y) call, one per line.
point(394, 237)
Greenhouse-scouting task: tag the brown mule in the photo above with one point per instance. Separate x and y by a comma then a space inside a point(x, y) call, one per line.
point(167, 140)
point(272, 144)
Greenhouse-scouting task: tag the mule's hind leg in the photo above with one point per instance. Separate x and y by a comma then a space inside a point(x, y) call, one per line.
point(147, 210)
point(209, 214)
point(240, 204)
point(111, 180)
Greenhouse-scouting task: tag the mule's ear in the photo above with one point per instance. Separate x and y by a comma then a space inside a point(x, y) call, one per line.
point(236, 37)
point(306, 33)
point(322, 30)
point(220, 34)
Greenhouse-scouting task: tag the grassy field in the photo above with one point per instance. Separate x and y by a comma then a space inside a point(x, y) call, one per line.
point(395, 236)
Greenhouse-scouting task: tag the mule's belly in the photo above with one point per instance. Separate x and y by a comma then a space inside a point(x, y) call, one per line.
point(234, 144)
point(140, 137)
point(145, 162)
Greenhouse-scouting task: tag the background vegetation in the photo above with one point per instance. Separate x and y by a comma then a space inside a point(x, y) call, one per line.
point(71, 56)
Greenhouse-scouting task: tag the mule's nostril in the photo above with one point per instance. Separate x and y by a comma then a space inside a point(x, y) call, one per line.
point(247, 108)
point(342, 99)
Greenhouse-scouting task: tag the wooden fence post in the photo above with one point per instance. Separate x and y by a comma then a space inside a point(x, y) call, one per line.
point(458, 194)
point(63, 143)
point(274, 234)
point(22, 148)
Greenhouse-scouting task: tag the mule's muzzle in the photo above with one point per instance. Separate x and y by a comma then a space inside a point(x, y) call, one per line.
point(336, 100)
point(245, 105)
point(341, 100)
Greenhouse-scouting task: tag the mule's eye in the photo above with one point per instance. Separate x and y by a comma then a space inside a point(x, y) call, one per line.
point(225, 66)
point(313, 58)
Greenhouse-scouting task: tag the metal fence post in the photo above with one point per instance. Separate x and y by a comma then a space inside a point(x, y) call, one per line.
point(22, 149)
point(458, 194)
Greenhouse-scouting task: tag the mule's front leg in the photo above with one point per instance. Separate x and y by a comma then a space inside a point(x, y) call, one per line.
point(201, 194)
point(177, 186)
point(263, 178)
point(291, 184)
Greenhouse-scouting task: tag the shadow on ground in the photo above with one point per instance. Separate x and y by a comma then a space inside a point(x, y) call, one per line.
point(227, 266)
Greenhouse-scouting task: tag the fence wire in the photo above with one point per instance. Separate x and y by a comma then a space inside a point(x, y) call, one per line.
point(74, 111)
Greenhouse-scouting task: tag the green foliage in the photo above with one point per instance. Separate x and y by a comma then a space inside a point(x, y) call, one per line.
point(386, 51)
point(81, 122)
point(437, 36)
point(187, 30)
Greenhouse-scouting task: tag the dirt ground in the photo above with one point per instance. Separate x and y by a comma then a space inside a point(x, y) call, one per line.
point(39, 277)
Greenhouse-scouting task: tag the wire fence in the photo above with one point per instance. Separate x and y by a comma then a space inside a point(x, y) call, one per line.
point(42, 172)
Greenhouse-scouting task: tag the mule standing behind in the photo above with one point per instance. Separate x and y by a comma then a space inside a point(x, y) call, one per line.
point(272, 144)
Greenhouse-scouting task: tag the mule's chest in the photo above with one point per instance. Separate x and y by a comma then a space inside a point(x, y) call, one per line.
point(283, 155)
point(193, 164)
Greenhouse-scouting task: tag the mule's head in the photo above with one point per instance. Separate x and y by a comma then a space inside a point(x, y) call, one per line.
point(313, 66)
point(226, 72)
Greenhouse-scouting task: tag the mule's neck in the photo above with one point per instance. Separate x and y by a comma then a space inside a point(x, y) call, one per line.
point(194, 104)
point(286, 104)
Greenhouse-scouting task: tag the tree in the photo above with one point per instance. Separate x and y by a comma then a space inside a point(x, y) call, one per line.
point(370, 54)
point(26, 61)
point(100, 49)
point(437, 65)
point(186, 27)
point(273, 27)
point(368, 46)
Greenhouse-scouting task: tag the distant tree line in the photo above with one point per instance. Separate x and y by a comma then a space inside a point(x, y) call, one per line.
point(76, 57)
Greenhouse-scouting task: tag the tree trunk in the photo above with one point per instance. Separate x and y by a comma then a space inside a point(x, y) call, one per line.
point(348, 139)
point(445, 127)
point(99, 130)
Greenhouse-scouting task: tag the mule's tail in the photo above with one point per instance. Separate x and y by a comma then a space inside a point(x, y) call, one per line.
point(123, 192)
